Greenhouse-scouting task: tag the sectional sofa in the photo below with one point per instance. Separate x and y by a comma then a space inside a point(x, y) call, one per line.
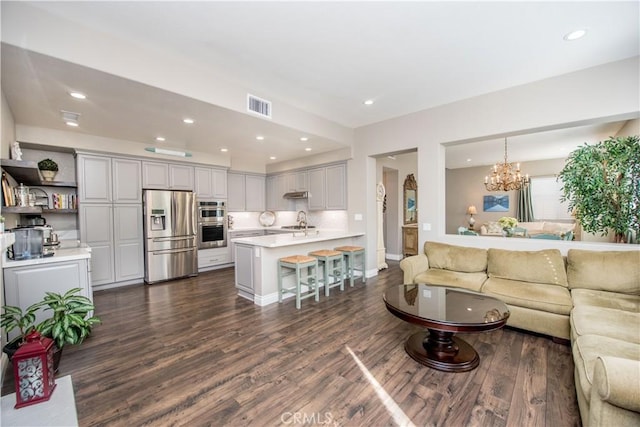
point(591, 298)
point(561, 229)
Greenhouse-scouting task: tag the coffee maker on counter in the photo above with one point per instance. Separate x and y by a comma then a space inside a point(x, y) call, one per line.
point(34, 239)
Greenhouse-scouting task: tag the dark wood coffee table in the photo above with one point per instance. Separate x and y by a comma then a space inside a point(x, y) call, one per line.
point(445, 311)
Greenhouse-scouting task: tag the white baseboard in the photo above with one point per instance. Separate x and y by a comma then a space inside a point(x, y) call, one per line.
point(394, 257)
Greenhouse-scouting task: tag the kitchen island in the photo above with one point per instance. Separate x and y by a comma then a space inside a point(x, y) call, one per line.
point(256, 258)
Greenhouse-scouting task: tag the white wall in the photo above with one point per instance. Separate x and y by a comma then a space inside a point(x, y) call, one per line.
point(8, 128)
point(599, 94)
point(632, 127)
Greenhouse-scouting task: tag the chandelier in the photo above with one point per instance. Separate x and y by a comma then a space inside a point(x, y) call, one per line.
point(505, 176)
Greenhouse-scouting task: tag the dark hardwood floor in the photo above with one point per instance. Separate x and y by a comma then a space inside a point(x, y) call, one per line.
point(192, 352)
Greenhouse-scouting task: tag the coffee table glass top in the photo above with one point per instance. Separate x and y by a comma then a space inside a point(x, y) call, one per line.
point(445, 305)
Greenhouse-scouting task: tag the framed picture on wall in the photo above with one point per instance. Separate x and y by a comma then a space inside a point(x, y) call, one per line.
point(496, 203)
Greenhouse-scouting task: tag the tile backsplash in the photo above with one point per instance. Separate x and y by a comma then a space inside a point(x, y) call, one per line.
point(335, 220)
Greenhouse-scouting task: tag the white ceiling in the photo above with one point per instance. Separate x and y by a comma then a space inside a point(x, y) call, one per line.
point(324, 58)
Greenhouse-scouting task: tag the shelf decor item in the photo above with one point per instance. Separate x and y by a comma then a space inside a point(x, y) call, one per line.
point(33, 371)
point(48, 168)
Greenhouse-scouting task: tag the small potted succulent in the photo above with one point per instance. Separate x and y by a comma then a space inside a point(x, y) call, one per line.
point(48, 168)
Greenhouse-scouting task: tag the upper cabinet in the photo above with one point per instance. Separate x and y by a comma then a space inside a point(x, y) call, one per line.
point(298, 181)
point(127, 180)
point(104, 179)
point(210, 183)
point(328, 188)
point(155, 175)
point(167, 176)
point(277, 185)
point(246, 192)
point(180, 177)
point(94, 179)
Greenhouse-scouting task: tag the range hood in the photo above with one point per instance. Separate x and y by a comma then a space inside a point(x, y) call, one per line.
point(296, 195)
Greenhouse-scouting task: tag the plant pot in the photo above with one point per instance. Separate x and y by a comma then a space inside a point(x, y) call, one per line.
point(48, 175)
point(12, 346)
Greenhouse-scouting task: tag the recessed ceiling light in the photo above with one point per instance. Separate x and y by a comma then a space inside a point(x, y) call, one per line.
point(307, 149)
point(468, 160)
point(224, 150)
point(575, 35)
point(259, 137)
point(160, 139)
point(304, 138)
point(78, 95)
point(368, 102)
point(71, 123)
point(272, 158)
point(188, 121)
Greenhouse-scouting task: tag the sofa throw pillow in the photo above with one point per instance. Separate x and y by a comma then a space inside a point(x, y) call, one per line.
point(494, 228)
point(455, 258)
point(613, 271)
point(546, 266)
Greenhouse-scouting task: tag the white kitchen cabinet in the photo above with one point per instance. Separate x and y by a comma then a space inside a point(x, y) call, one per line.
point(298, 181)
point(155, 175)
point(128, 242)
point(180, 177)
point(317, 189)
point(336, 186)
point(127, 180)
point(96, 230)
point(254, 193)
point(210, 183)
point(240, 234)
point(244, 270)
point(27, 285)
point(208, 258)
point(328, 188)
point(115, 235)
point(277, 186)
point(94, 179)
point(236, 200)
point(219, 183)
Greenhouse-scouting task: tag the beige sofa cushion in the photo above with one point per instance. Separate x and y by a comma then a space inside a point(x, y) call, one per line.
point(455, 258)
point(546, 266)
point(608, 322)
point(604, 299)
point(587, 348)
point(535, 296)
point(615, 271)
point(454, 279)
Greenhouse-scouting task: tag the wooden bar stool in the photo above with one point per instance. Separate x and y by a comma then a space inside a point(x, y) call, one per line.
point(350, 253)
point(332, 263)
point(295, 265)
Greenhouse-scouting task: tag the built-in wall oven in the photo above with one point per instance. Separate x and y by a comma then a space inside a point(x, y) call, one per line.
point(212, 225)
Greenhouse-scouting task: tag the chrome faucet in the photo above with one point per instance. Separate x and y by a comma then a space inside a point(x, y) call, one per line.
point(302, 220)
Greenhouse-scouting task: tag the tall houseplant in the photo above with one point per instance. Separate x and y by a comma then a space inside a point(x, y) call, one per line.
point(601, 182)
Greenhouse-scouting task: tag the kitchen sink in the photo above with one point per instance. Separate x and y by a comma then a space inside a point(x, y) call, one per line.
point(296, 227)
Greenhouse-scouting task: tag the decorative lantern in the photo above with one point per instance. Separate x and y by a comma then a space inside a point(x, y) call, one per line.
point(33, 370)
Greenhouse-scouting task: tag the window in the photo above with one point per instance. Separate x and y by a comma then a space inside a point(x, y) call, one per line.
point(545, 197)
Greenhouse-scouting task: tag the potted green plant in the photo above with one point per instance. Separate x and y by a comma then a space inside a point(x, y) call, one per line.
point(600, 182)
point(13, 317)
point(48, 168)
point(71, 321)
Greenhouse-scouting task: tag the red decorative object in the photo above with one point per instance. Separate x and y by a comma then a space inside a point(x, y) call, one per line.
point(33, 370)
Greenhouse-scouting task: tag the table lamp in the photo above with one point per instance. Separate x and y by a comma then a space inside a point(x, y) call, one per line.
point(471, 210)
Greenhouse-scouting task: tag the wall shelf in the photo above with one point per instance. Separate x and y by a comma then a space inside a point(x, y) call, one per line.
point(26, 172)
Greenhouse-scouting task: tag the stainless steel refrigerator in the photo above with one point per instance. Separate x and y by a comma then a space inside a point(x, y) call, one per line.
point(171, 244)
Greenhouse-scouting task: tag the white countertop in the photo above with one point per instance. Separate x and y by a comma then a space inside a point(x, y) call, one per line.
point(65, 253)
point(297, 238)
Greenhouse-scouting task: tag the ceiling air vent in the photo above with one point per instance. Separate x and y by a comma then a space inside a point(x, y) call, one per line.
point(259, 106)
